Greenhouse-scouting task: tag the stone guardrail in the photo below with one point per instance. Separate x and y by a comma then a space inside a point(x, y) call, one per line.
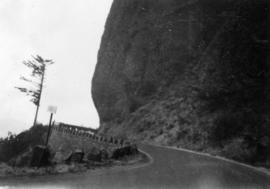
point(89, 134)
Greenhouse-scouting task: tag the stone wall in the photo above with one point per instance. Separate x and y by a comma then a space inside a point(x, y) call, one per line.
point(65, 139)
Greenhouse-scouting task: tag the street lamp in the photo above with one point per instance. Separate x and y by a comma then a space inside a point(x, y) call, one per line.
point(52, 110)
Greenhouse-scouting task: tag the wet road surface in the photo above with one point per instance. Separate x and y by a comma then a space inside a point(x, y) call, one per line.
point(169, 169)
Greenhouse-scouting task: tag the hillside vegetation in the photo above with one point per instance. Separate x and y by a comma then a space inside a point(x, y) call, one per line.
point(15, 145)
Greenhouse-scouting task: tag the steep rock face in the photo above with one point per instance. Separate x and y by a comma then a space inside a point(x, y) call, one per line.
point(190, 73)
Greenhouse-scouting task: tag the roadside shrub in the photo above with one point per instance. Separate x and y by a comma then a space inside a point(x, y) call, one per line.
point(225, 127)
point(238, 149)
point(14, 145)
point(125, 151)
point(94, 155)
point(22, 160)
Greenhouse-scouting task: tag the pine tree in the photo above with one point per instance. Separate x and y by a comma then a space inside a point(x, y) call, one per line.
point(38, 69)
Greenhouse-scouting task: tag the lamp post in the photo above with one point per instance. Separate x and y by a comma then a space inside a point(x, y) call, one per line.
point(52, 110)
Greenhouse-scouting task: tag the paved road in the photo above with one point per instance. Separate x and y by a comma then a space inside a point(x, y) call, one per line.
point(170, 169)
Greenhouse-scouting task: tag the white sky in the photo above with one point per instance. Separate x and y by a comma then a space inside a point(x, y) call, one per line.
point(67, 31)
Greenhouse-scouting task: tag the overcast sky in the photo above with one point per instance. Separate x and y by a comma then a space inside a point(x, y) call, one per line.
point(67, 31)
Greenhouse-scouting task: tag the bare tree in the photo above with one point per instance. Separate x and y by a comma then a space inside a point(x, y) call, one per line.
point(38, 69)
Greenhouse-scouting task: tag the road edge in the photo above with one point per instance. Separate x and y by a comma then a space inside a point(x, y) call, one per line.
point(151, 160)
point(259, 169)
point(137, 165)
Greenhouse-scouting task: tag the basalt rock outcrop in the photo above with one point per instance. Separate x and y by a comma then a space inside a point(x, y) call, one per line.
point(192, 73)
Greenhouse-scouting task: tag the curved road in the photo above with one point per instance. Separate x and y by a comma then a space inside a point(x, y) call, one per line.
point(170, 169)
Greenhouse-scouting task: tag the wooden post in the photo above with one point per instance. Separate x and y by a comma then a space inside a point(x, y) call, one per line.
point(49, 130)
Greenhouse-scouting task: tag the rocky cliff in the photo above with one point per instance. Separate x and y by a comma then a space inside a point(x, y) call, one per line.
point(188, 73)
